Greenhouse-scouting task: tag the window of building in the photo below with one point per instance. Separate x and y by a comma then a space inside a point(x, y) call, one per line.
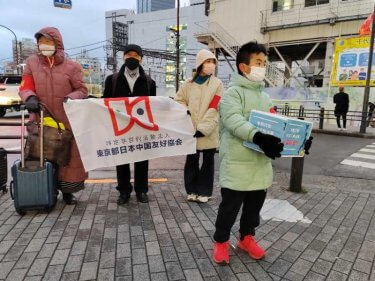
point(309, 3)
point(282, 5)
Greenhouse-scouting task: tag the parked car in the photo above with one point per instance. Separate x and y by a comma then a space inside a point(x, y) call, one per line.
point(9, 98)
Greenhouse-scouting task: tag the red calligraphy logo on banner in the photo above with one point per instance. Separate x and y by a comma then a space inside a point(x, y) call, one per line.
point(135, 109)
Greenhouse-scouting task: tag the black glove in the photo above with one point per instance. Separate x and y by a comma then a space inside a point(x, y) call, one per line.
point(198, 134)
point(308, 144)
point(188, 113)
point(32, 104)
point(270, 145)
point(66, 99)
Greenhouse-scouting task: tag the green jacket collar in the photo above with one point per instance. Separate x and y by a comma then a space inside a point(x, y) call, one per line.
point(241, 81)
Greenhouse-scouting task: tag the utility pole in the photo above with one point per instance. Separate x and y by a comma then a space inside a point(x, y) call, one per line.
point(178, 47)
point(368, 79)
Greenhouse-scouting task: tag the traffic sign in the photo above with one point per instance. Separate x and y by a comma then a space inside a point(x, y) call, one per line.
point(66, 4)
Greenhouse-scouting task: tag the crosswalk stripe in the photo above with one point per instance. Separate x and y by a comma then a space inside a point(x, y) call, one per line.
point(364, 156)
point(358, 164)
point(367, 150)
point(370, 146)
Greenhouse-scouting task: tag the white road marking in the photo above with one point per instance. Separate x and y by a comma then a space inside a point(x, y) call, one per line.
point(282, 210)
point(358, 164)
point(367, 150)
point(364, 156)
point(370, 146)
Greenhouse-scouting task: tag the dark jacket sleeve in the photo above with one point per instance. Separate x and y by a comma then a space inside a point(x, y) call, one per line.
point(153, 88)
point(347, 99)
point(108, 87)
point(335, 98)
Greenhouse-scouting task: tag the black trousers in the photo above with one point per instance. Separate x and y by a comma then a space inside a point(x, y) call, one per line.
point(140, 178)
point(338, 115)
point(200, 181)
point(232, 200)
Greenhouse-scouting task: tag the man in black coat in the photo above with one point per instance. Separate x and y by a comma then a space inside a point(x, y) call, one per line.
point(131, 81)
point(341, 100)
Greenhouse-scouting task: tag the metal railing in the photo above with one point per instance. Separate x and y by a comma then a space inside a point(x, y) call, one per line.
point(11, 137)
point(324, 13)
point(322, 114)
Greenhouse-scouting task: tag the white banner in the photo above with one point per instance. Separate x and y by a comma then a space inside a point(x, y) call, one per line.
point(116, 131)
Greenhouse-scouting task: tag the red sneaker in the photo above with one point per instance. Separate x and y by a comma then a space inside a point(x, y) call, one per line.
point(221, 253)
point(251, 246)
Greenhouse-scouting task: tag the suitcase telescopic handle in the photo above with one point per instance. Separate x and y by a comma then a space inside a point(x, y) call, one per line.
point(41, 160)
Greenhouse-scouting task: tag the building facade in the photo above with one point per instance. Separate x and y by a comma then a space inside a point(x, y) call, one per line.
point(155, 33)
point(26, 48)
point(146, 6)
point(300, 34)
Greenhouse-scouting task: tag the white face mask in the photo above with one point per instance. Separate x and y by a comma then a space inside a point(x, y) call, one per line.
point(257, 74)
point(209, 68)
point(47, 50)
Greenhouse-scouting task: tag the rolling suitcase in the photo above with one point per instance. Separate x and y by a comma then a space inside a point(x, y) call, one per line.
point(3, 170)
point(34, 182)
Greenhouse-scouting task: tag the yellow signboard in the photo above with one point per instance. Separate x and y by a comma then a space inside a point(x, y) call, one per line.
point(350, 62)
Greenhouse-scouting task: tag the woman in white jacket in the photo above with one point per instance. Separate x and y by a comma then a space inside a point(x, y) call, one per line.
point(201, 96)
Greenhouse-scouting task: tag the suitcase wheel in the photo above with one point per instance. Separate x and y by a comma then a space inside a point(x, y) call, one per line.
point(49, 209)
point(20, 212)
point(5, 190)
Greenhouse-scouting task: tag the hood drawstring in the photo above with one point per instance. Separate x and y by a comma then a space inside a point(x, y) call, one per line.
point(51, 61)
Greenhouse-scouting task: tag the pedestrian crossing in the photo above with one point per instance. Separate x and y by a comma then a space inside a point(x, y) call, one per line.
point(363, 158)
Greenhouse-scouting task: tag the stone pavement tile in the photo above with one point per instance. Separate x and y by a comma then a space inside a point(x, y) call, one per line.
point(35, 245)
point(290, 275)
point(329, 255)
point(197, 251)
point(281, 245)
point(79, 248)
point(33, 278)
point(47, 250)
point(237, 265)
point(71, 276)
point(342, 266)
point(74, 263)
point(206, 268)
point(89, 271)
point(137, 242)
point(53, 273)
point(156, 264)
point(322, 267)
point(272, 255)
point(139, 256)
point(336, 276)
point(193, 275)
point(161, 276)
point(39, 267)
point(245, 277)
point(24, 239)
point(312, 276)
point(174, 271)
point(106, 274)
point(358, 276)
point(164, 240)
point(153, 248)
point(93, 253)
point(258, 272)
point(66, 243)
point(123, 266)
point(367, 251)
point(60, 257)
point(54, 237)
point(187, 261)
point(279, 267)
point(6, 245)
point(14, 253)
point(140, 273)
point(362, 266)
point(26, 260)
point(17, 274)
point(5, 268)
point(150, 235)
point(109, 245)
point(169, 254)
point(107, 260)
point(181, 246)
point(310, 255)
point(290, 255)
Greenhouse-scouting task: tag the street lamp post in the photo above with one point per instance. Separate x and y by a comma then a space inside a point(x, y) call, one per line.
point(178, 47)
point(15, 36)
point(368, 79)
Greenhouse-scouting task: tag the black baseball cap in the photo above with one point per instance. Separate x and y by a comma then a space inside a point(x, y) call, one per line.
point(133, 47)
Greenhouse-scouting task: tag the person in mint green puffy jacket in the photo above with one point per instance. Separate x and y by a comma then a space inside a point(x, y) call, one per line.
point(245, 174)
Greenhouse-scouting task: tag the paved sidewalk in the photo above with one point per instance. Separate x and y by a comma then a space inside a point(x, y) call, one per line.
point(171, 239)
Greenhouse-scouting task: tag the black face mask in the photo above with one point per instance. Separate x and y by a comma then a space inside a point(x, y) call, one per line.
point(131, 63)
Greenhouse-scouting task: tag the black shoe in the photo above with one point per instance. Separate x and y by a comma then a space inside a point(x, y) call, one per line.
point(142, 197)
point(123, 199)
point(69, 199)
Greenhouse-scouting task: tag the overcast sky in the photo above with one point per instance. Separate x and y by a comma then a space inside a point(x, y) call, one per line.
point(83, 24)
